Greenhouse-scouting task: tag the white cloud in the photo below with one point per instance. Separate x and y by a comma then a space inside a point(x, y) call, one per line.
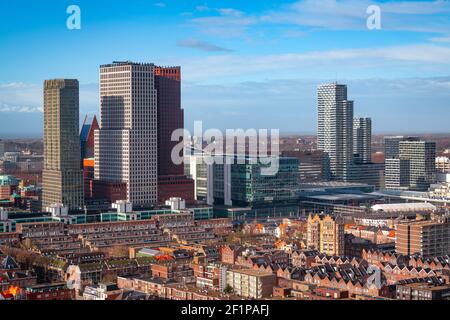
point(202, 8)
point(19, 109)
point(20, 97)
point(417, 16)
point(289, 64)
point(290, 104)
point(202, 45)
point(441, 39)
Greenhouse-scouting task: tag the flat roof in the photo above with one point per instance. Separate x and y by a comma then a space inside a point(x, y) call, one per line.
point(404, 206)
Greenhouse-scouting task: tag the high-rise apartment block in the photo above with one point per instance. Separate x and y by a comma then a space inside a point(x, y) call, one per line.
point(62, 176)
point(392, 145)
point(410, 163)
point(344, 140)
point(362, 140)
point(396, 174)
point(326, 234)
point(426, 237)
point(421, 156)
point(335, 130)
point(126, 144)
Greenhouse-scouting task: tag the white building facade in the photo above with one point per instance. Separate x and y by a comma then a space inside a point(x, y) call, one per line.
point(126, 144)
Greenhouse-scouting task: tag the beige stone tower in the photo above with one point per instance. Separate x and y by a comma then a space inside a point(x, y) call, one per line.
point(62, 176)
point(326, 234)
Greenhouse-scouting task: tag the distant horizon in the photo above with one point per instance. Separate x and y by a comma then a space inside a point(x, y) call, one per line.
point(282, 134)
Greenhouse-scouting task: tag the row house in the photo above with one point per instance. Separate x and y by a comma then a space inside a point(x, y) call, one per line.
point(105, 227)
point(41, 229)
point(7, 263)
point(151, 286)
point(291, 273)
point(397, 273)
point(337, 260)
point(189, 234)
point(57, 266)
point(174, 220)
point(321, 293)
point(179, 272)
point(220, 226)
point(428, 288)
point(57, 244)
point(80, 275)
point(103, 241)
point(376, 257)
point(182, 292)
point(354, 287)
point(304, 258)
point(9, 238)
point(434, 263)
point(211, 253)
point(229, 253)
point(19, 279)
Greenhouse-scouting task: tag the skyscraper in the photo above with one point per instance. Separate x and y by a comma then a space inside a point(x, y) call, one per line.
point(335, 130)
point(171, 179)
point(362, 140)
point(126, 144)
point(170, 117)
point(62, 176)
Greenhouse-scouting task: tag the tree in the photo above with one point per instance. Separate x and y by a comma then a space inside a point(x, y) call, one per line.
point(228, 289)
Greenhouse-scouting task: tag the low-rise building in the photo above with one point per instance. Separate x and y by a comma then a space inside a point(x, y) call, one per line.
point(249, 283)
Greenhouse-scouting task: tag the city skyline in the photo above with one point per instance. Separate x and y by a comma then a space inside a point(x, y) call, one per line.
point(280, 52)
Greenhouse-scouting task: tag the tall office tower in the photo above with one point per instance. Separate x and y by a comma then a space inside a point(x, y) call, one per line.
point(62, 176)
point(326, 234)
point(421, 156)
point(171, 179)
point(362, 140)
point(126, 143)
point(335, 130)
point(170, 117)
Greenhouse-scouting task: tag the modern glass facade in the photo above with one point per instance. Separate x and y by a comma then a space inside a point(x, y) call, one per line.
point(250, 187)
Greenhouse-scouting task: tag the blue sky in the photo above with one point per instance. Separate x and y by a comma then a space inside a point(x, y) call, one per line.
point(250, 64)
